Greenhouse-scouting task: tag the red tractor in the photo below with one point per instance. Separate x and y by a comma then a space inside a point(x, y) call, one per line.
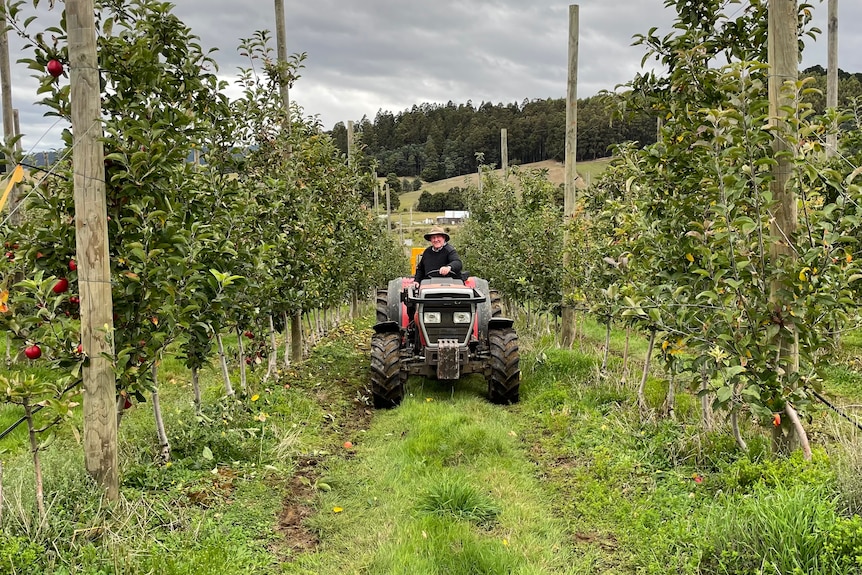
point(444, 328)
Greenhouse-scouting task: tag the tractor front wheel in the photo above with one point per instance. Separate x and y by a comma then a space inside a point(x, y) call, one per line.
point(387, 386)
point(504, 380)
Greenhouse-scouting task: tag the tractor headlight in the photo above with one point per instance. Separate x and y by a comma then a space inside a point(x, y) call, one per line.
point(431, 317)
point(462, 317)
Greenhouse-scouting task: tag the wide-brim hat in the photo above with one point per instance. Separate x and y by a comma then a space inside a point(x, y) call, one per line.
point(437, 231)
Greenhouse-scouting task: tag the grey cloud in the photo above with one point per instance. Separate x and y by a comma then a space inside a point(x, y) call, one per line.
point(367, 55)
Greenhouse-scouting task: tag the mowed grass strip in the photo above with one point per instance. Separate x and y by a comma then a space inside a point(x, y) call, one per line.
point(440, 484)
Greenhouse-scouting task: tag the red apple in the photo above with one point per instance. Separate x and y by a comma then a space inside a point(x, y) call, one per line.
point(33, 351)
point(73, 265)
point(55, 68)
point(61, 286)
point(249, 335)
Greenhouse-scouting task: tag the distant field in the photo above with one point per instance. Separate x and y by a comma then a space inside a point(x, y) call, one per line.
point(556, 174)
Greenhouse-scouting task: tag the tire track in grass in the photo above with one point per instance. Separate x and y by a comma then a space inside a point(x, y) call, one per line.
point(441, 484)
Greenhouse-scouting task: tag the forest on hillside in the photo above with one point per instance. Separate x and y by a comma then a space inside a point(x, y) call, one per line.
point(435, 141)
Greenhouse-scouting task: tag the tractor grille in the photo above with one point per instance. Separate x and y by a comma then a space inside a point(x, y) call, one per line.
point(447, 328)
point(459, 333)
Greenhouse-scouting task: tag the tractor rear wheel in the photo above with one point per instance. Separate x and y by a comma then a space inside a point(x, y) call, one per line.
point(387, 387)
point(504, 380)
point(381, 302)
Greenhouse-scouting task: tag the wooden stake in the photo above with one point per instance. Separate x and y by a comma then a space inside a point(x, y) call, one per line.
point(567, 325)
point(8, 117)
point(783, 62)
point(91, 229)
point(504, 153)
point(832, 72)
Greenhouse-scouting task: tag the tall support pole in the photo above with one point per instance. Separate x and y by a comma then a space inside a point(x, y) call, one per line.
point(504, 152)
point(284, 88)
point(281, 52)
point(567, 322)
point(832, 72)
point(783, 62)
point(350, 144)
point(92, 256)
point(376, 195)
point(388, 210)
point(8, 114)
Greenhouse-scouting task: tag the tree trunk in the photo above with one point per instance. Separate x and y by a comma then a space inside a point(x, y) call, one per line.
point(288, 338)
point(121, 407)
point(705, 402)
point(670, 398)
point(604, 369)
point(642, 403)
point(273, 355)
point(354, 306)
point(734, 426)
point(296, 337)
point(196, 388)
point(243, 381)
point(37, 463)
point(626, 357)
point(224, 371)
point(164, 445)
point(801, 435)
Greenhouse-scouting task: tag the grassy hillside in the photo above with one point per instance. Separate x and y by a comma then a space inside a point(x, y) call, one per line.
point(556, 174)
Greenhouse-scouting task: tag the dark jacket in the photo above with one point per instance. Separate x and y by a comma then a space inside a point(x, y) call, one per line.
point(432, 261)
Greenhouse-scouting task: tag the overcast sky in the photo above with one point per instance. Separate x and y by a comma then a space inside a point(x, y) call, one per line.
point(371, 55)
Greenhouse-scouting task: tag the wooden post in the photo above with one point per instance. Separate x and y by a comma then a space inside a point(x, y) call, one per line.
point(567, 323)
point(504, 153)
point(350, 142)
point(783, 51)
point(91, 228)
point(832, 72)
point(281, 52)
point(8, 116)
point(376, 195)
point(388, 210)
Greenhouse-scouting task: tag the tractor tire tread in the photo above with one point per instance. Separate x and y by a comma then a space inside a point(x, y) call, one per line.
point(504, 380)
point(387, 386)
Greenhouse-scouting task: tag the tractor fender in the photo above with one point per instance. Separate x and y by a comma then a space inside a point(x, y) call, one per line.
point(500, 323)
point(393, 299)
point(386, 327)
point(483, 310)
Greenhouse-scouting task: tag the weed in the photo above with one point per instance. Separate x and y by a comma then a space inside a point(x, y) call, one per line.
point(770, 531)
point(456, 497)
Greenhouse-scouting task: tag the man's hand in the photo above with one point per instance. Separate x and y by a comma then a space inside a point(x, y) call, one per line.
point(444, 271)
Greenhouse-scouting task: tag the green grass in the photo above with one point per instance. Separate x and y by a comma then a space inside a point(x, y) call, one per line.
point(568, 481)
point(439, 485)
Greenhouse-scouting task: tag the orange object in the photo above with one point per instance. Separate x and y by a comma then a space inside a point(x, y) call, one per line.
point(415, 256)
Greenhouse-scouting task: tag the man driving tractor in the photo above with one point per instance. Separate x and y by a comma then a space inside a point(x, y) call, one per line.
point(439, 257)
